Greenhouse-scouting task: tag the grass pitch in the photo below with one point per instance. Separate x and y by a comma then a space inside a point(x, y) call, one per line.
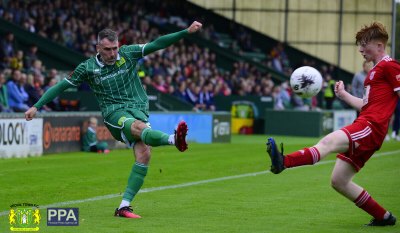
point(209, 188)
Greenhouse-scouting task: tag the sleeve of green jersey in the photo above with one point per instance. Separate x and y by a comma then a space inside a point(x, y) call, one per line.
point(164, 41)
point(78, 75)
point(52, 93)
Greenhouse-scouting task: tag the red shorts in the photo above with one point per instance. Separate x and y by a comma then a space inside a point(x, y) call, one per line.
point(368, 138)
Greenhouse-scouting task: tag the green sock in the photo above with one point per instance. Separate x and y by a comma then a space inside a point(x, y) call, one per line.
point(154, 137)
point(135, 181)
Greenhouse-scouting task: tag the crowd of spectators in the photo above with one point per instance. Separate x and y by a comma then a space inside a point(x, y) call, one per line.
point(184, 70)
point(23, 78)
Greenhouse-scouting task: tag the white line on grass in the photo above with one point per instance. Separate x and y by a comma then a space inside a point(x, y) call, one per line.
point(148, 190)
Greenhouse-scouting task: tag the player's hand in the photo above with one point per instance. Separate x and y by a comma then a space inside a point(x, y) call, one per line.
point(30, 113)
point(194, 27)
point(339, 89)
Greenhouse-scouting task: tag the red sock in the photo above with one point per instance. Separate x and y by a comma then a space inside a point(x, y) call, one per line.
point(369, 205)
point(307, 156)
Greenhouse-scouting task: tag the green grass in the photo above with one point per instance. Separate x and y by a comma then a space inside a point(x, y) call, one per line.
point(298, 200)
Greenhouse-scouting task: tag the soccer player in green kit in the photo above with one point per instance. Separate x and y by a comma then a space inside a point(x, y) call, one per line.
point(112, 76)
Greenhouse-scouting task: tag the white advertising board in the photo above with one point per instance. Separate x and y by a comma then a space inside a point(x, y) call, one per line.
point(20, 138)
point(343, 118)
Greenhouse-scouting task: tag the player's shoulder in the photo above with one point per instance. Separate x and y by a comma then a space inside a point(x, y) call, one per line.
point(89, 62)
point(388, 61)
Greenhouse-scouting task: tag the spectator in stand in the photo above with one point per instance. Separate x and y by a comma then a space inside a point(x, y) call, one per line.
point(52, 74)
point(281, 96)
point(89, 139)
point(159, 84)
point(146, 81)
point(276, 61)
point(75, 27)
point(4, 107)
point(180, 92)
point(170, 86)
point(357, 84)
point(51, 82)
point(278, 101)
point(17, 96)
point(8, 45)
point(159, 70)
point(329, 91)
point(35, 88)
point(37, 67)
point(29, 25)
point(30, 56)
point(192, 92)
point(30, 88)
point(299, 103)
point(205, 99)
point(222, 88)
point(17, 61)
point(267, 85)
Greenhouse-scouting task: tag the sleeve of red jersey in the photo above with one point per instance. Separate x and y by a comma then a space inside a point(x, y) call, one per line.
point(392, 71)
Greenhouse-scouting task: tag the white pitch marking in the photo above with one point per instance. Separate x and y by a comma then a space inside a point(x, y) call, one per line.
point(148, 190)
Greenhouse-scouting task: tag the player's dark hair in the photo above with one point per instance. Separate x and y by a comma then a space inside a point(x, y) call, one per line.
point(107, 33)
point(374, 31)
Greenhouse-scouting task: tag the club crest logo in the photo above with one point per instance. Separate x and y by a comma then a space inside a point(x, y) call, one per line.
point(121, 121)
point(24, 217)
point(371, 76)
point(120, 62)
point(398, 78)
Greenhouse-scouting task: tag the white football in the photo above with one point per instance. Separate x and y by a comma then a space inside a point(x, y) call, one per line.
point(306, 81)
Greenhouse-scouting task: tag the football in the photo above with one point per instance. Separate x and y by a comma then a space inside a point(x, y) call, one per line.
point(306, 81)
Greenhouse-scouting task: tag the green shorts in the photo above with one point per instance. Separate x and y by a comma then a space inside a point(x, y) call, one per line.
point(119, 124)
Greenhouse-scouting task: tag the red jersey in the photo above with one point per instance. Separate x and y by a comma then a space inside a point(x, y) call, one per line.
point(380, 93)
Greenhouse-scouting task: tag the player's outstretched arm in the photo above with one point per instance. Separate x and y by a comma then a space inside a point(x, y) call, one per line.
point(48, 96)
point(163, 42)
point(342, 94)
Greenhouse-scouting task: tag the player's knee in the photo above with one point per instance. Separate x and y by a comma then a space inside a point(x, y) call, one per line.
point(337, 183)
point(137, 127)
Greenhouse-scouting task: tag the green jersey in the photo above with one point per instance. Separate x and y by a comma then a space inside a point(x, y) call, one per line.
point(115, 86)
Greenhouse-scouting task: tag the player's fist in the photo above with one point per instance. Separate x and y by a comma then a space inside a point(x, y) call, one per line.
point(194, 27)
point(30, 113)
point(339, 89)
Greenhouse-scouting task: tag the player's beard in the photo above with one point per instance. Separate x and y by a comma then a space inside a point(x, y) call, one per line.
point(110, 61)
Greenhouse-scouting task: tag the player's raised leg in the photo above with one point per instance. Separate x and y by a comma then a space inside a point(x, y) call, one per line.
point(158, 138)
point(336, 141)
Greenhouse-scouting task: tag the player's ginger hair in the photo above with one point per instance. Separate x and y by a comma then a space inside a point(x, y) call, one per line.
point(374, 31)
